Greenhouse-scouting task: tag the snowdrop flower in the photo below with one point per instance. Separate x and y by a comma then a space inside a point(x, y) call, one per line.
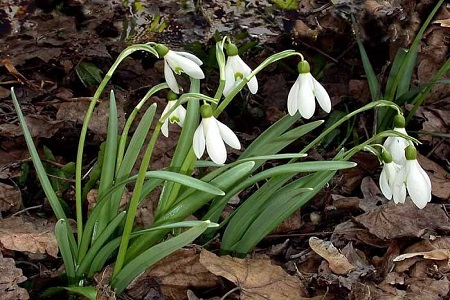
point(235, 70)
point(213, 134)
point(395, 144)
point(177, 116)
point(302, 94)
point(414, 179)
point(388, 174)
point(178, 62)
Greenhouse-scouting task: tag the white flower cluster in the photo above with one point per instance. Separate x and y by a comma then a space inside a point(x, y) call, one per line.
point(401, 171)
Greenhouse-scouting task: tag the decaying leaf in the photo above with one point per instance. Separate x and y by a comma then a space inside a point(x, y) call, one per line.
point(438, 254)
point(257, 278)
point(10, 198)
point(403, 220)
point(337, 262)
point(438, 176)
point(19, 235)
point(10, 276)
point(173, 275)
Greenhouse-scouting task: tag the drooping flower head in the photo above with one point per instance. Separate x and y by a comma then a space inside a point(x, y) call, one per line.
point(388, 174)
point(302, 94)
point(179, 62)
point(235, 70)
point(213, 134)
point(396, 145)
point(414, 179)
point(177, 116)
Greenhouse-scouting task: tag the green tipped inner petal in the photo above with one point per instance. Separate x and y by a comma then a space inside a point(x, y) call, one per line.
point(238, 75)
point(178, 70)
point(174, 119)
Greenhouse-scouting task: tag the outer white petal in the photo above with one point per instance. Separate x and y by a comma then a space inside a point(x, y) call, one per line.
point(190, 56)
point(416, 184)
point(322, 96)
point(306, 101)
point(292, 102)
point(384, 184)
point(399, 188)
point(214, 143)
point(396, 146)
point(170, 78)
point(229, 78)
point(228, 136)
point(189, 67)
point(198, 143)
point(165, 125)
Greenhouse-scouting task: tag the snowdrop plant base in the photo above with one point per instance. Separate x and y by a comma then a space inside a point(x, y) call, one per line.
point(108, 234)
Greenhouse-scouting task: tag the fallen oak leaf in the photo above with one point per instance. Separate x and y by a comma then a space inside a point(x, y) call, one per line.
point(257, 278)
point(10, 276)
point(437, 254)
point(337, 262)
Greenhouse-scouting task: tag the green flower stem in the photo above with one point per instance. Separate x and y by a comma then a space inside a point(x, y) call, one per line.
point(271, 59)
point(134, 201)
point(87, 118)
point(126, 129)
point(379, 103)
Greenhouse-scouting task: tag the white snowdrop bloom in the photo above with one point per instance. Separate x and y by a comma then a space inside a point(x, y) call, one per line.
point(235, 70)
point(177, 116)
point(412, 179)
point(302, 94)
point(214, 135)
point(178, 62)
point(388, 174)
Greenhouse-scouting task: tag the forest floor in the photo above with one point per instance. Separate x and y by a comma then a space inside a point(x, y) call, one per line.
point(341, 245)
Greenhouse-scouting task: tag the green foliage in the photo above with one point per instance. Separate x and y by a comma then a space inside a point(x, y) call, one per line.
point(88, 73)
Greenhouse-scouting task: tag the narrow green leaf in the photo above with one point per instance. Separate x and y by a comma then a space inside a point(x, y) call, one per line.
point(88, 73)
point(395, 68)
point(62, 233)
point(88, 292)
point(149, 257)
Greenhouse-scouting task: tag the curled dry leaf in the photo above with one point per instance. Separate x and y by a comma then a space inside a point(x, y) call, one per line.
point(173, 275)
point(257, 279)
point(438, 254)
point(337, 262)
point(19, 235)
point(10, 276)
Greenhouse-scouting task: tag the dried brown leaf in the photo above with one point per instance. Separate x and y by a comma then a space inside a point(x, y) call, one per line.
point(438, 176)
point(10, 276)
point(337, 262)
point(19, 235)
point(257, 278)
point(403, 220)
point(173, 275)
point(10, 198)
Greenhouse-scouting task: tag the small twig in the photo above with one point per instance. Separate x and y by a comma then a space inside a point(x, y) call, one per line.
point(27, 209)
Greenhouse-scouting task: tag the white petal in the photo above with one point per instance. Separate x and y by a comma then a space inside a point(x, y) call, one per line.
point(198, 143)
point(306, 101)
point(189, 67)
point(240, 66)
point(181, 114)
point(253, 85)
point(229, 79)
point(170, 78)
point(322, 96)
point(399, 188)
point(190, 56)
point(292, 102)
point(416, 184)
point(214, 143)
point(228, 136)
point(384, 184)
point(165, 125)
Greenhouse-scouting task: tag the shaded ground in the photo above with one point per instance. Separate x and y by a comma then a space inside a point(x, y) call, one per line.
point(49, 51)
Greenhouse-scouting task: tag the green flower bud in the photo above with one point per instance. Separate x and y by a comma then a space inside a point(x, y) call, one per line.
point(232, 50)
point(411, 153)
point(303, 67)
point(171, 96)
point(399, 121)
point(206, 111)
point(161, 49)
point(386, 156)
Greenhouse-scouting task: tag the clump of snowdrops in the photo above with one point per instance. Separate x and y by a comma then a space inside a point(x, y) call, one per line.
point(108, 234)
